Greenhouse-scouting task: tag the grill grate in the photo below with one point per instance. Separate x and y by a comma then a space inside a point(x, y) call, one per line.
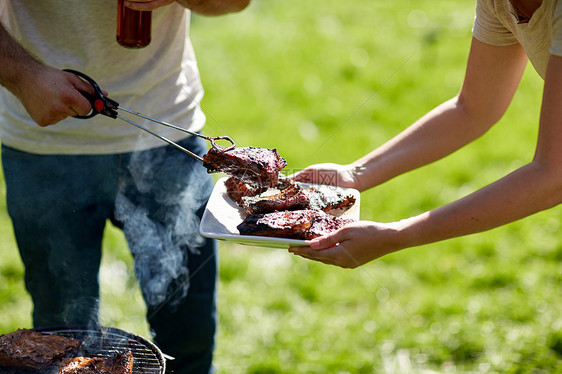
point(107, 341)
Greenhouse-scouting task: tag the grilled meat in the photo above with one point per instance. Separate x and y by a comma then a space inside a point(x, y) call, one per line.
point(283, 224)
point(118, 364)
point(323, 224)
point(283, 208)
point(27, 349)
point(252, 165)
point(292, 196)
point(237, 189)
point(297, 224)
point(329, 199)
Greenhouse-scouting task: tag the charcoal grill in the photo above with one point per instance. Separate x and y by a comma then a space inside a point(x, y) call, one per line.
point(108, 341)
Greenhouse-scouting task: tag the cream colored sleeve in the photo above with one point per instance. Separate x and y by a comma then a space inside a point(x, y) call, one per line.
point(487, 27)
point(556, 46)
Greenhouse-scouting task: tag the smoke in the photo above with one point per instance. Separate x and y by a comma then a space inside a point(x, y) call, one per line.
point(157, 206)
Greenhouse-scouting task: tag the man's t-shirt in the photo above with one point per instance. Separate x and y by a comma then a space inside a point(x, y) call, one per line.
point(160, 80)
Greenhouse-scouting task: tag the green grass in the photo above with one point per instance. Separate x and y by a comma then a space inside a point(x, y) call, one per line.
point(327, 81)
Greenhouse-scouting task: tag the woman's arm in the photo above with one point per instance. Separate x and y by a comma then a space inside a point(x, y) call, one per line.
point(492, 77)
point(532, 188)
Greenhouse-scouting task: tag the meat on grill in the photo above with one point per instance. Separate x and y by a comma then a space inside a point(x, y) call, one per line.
point(252, 165)
point(27, 349)
point(119, 364)
point(296, 224)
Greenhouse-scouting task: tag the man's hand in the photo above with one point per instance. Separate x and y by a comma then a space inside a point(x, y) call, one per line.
point(50, 95)
point(203, 7)
point(147, 5)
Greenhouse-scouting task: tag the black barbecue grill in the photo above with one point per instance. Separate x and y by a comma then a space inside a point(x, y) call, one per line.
point(108, 341)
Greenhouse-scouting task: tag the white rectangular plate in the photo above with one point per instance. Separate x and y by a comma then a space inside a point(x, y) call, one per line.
point(222, 216)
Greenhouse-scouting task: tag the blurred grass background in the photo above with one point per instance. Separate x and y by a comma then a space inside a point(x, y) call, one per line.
point(327, 81)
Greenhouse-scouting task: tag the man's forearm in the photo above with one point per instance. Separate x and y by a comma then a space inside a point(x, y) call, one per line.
point(214, 7)
point(15, 61)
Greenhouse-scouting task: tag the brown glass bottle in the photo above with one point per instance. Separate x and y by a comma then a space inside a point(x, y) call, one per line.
point(133, 26)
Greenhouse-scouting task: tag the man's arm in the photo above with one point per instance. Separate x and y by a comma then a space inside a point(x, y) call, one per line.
point(49, 95)
point(15, 62)
point(203, 7)
point(214, 7)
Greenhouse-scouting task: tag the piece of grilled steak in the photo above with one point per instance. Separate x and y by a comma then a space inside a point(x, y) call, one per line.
point(252, 165)
point(237, 189)
point(294, 197)
point(303, 224)
point(324, 224)
point(27, 349)
point(291, 198)
point(329, 199)
point(290, 224)
point(119, 364)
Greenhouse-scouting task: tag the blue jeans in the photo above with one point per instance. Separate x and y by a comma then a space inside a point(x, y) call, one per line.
point(59, 205)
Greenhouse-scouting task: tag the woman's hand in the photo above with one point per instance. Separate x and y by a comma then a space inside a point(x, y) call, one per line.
point(353, 245)
point(333, 174)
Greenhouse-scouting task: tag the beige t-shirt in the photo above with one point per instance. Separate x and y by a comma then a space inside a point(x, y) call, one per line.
point(160, 80)
point(496, 24)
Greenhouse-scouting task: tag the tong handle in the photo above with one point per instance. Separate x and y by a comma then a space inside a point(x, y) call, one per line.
point(108, 107)
point(100, 104)
point(215, 145)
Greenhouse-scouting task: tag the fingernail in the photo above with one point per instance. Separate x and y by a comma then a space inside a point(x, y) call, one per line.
point(314, 243)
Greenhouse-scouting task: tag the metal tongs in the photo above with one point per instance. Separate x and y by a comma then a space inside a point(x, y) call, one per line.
point(108, 107)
